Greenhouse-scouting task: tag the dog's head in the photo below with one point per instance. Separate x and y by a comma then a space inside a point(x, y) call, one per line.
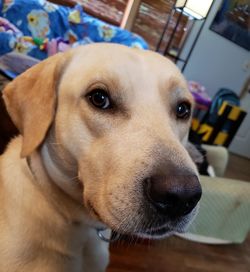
point(121, 116)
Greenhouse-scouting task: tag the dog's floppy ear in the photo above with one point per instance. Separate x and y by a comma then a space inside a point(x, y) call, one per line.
point(30, 101)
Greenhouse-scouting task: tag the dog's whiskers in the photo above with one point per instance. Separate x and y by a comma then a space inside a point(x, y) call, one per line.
point(54, 143)
point(74, 178)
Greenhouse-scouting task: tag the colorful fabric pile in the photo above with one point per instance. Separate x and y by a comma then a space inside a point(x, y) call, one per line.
point(40, 29)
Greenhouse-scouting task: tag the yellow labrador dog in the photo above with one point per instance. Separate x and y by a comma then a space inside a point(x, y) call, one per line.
point(103, 133)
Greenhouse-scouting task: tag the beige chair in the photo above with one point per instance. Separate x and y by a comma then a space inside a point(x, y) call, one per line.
point(224, 214)
point(217, 157)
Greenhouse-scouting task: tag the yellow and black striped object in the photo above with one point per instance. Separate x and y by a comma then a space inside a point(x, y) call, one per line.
point(220, 130)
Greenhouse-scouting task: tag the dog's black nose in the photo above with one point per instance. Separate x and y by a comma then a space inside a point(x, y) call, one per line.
point(174, 195)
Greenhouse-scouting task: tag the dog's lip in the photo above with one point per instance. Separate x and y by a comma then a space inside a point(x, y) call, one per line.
point(162, 231)
point(158, 231)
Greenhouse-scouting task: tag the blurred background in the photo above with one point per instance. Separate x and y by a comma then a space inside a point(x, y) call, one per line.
point(209, 41)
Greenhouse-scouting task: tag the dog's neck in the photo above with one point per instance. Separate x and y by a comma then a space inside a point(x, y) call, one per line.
point(60, 201)
point(64, 178)
point(62, 170)
point(64, 193)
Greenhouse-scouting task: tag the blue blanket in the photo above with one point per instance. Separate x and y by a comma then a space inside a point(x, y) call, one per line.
point(39, 29)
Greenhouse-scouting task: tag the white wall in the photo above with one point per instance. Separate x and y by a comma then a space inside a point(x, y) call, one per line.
point(216, 62)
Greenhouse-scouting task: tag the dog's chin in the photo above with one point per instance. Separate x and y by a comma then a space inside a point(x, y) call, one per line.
point(167, 229)
point(161, 232)
point(156, 233)
point(180, 225)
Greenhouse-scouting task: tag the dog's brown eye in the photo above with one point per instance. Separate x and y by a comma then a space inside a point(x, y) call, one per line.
point(100, 99)
point(183, 110)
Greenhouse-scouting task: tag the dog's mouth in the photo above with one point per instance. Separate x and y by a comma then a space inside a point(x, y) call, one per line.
point(158, 231)
point(153, 232)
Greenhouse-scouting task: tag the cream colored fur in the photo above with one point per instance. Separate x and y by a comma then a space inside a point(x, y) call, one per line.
point(76, 168)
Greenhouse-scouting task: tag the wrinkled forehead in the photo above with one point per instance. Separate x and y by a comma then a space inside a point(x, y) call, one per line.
point(123, 68)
